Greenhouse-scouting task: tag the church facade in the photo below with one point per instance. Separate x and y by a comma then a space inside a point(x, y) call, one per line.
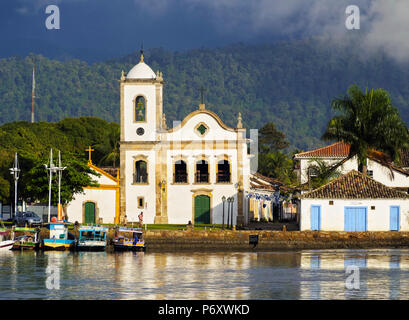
point(179, 174)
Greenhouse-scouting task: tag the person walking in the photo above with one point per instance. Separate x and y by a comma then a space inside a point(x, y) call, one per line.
point(140, 217)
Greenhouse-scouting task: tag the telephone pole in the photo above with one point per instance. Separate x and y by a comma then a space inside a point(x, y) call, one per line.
point(33, 95)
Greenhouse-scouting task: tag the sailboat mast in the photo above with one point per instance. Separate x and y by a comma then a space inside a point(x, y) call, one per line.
point(51, 168)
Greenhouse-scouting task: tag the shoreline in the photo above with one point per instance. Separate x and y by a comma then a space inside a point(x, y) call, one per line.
point(239, 240)
point(272, 240)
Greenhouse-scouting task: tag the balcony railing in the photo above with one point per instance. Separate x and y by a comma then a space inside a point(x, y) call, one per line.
point(223, 177)
point(180, 177)
point(202, 177)
point(140, 178)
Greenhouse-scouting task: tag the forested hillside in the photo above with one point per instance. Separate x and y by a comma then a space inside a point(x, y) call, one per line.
point(32, 142)
point(288, 83)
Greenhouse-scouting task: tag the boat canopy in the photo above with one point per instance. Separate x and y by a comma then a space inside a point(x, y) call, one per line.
point(125, 229)
point(25, 229)
point(92, 229)
point(58, 224)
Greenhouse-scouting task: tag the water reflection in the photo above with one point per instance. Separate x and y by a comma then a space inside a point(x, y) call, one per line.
point(309, 274)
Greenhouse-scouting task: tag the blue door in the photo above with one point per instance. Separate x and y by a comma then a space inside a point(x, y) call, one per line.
point(315, 217)
point(355, 219)
point(395, 218)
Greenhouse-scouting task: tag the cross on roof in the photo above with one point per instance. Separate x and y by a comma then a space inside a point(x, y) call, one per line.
point(89, 153)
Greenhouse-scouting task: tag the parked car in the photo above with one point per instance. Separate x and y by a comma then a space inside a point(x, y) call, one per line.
point(30, 218)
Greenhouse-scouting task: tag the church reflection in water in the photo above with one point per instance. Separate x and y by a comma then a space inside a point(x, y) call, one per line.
point(162, 276)
point(308, 274)
point(325, 274)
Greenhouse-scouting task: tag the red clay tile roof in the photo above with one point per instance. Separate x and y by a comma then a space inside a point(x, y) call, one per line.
point(335, 150)
point(355, 185)
point(341, 150)
point(260, 182)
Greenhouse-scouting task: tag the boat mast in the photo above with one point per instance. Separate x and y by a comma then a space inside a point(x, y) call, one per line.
point(15, 171)
point(52, 169)
point(60, 169)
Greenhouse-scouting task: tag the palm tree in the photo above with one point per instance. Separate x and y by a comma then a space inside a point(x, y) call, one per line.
point(110, 147)
point(367, 121)
point(277, 165)
point(322, 173)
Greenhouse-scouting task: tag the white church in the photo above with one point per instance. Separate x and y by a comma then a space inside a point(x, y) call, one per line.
point(171, 175)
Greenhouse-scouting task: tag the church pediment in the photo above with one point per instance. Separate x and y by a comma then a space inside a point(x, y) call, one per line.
point(202, 125)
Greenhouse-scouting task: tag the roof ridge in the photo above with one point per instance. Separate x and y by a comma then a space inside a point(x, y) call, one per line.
point(322, 148)
point(333, 181)
point(369, 182)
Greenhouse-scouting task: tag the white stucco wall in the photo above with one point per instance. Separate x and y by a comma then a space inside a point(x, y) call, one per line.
point(131, 91)
point(344, 168)
point(180, 196)
point(187, 132)
point(332, 216)
point(381, 173)
point(104, 201)
point(384, 176)
point(103, 180)
point(133, 191)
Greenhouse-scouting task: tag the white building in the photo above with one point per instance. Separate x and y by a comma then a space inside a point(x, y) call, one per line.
point(179, 174)
point(377, 167)
point(355, 202)
point(96, 204)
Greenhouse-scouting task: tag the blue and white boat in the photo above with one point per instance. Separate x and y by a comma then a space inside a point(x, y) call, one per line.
point(129, 239)
point(92, 238)
point(60, 238)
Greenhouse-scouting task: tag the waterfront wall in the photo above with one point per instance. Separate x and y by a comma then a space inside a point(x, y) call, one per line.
point(172, 240)
point(271, 240)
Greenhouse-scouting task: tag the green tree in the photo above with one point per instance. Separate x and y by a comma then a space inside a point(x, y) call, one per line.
point(270, 139)
point(272, 162)
point(34, 180)
point(367, 120)
point(110, 147)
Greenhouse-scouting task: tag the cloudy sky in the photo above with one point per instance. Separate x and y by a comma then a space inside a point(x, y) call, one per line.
point(105, 28)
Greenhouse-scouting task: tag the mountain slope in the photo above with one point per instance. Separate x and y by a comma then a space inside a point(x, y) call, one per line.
point(291, 83)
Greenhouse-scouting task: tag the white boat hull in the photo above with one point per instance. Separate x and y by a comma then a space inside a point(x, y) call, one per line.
point(6, 245)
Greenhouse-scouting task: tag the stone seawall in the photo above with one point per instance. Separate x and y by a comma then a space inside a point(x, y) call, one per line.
point(271, 240)
point(172, 240)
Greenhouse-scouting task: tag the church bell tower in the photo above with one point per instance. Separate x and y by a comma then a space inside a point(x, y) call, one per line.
point(141, 103)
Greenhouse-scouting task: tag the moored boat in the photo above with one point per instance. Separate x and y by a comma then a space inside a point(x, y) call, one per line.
point(5, 242)
point(92, 238)
point(59, 238)
point(25, 238)
point(129, 239)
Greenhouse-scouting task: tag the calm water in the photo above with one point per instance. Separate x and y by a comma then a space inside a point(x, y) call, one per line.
point(307, 274)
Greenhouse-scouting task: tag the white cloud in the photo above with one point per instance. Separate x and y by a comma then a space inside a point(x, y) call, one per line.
point(389, 29)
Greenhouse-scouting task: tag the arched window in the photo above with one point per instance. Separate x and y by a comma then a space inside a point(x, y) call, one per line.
point(141, 172)
point(202, 171)
point(140, 109)
point(223, 171)
point(180, 174)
